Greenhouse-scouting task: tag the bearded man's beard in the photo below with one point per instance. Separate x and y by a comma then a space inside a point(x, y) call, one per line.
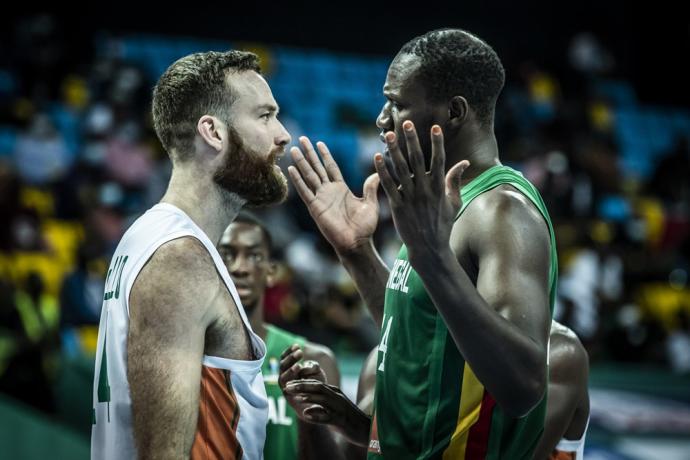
point(251, 177)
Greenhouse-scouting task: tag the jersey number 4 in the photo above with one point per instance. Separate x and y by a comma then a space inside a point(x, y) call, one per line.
point(383, 346)
point(112, 291)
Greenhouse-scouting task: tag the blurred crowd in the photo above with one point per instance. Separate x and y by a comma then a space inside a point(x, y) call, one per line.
point(79, 161)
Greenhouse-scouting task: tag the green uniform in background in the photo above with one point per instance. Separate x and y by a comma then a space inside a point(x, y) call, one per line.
point(282, 429)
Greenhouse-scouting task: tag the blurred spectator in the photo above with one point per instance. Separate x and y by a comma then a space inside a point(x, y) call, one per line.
point(81, 294)
point(678, 344)
point(41, 154)
point(588, 55)
point(595, 274)
point(33, 365)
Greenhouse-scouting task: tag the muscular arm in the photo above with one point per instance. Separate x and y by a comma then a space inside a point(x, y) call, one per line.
point(500, 326)
point(169, 313)
point(314, 440)
point(567, 396)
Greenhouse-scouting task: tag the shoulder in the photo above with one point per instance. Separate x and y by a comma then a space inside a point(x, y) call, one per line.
point(326, 359)
point(496, 217)
point(568, 359)
point(505, 202)
point(180, 272)
point(368, 374)
point(319, 353)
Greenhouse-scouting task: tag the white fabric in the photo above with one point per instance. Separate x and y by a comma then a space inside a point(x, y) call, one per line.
point(578, 446)
point(111, 434)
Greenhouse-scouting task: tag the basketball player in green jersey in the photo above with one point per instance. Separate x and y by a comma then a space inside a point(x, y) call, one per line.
point(465, 311)
point(245, 248)
point(567, 414)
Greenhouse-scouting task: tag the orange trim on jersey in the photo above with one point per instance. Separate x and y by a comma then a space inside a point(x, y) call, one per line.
point(471, 396)
point(219, 415)
point(561, 455)
point(374, 443)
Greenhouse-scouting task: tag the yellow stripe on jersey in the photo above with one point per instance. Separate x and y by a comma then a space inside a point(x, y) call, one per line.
point(470, 405)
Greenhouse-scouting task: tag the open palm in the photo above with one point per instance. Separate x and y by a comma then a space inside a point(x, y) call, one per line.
point(345, 220)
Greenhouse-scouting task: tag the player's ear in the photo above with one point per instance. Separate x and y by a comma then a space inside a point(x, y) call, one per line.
point(458, 111)
point(212, 131)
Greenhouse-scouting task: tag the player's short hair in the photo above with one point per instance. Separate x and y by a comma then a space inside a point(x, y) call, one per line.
point(191, 87)
point(246, 217)
point(455, 62)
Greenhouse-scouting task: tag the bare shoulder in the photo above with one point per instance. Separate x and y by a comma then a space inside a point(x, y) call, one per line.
point(319, 353)
point(497, 216)
point(326, 359)
point(568, 359)
point(367, 376)
point(180, 274)
point(502, 202)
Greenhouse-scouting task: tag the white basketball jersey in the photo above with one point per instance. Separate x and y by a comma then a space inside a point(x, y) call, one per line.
point(111, 435)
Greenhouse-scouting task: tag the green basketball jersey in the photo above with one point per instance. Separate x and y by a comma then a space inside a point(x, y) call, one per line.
point(282, 429)
point(428, 402)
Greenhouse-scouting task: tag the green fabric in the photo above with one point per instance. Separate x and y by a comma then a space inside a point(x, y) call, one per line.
point(282, 428)
point(420, 371)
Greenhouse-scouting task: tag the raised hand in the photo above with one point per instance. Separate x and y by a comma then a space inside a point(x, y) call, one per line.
point(345, 220)
point(423, 204)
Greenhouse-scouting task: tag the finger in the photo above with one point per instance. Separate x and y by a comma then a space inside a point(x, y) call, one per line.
point(438, 157)
point(331, 166)
point(291, 358)
point(307, 386)
point(389, 186)
point(402, 172)
point(370, 187)
point(289, 374)
point(289, 368)
point(414, 150)
point(454, 182)
point(314, 398)
point(317, 414)
point(309, 369)
point(313, 158)
point(306, 170)
point(292, 348)
point(303, 190)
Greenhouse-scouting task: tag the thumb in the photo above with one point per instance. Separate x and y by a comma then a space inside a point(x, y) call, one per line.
point(453, 182)
point(369, 188)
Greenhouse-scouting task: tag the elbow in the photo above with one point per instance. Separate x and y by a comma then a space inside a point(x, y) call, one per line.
point(526, 396)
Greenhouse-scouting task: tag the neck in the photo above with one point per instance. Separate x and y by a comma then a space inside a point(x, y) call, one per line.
point(256, 319)
point(205, 202)
point(479, 147)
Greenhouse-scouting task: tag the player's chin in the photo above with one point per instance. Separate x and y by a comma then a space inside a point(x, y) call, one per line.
point(247, 300)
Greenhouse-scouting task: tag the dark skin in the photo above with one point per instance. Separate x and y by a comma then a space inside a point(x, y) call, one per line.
point(567, 406)
point(501, 329)
point(246, 254)
point(332, 407)
point(567, 409)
